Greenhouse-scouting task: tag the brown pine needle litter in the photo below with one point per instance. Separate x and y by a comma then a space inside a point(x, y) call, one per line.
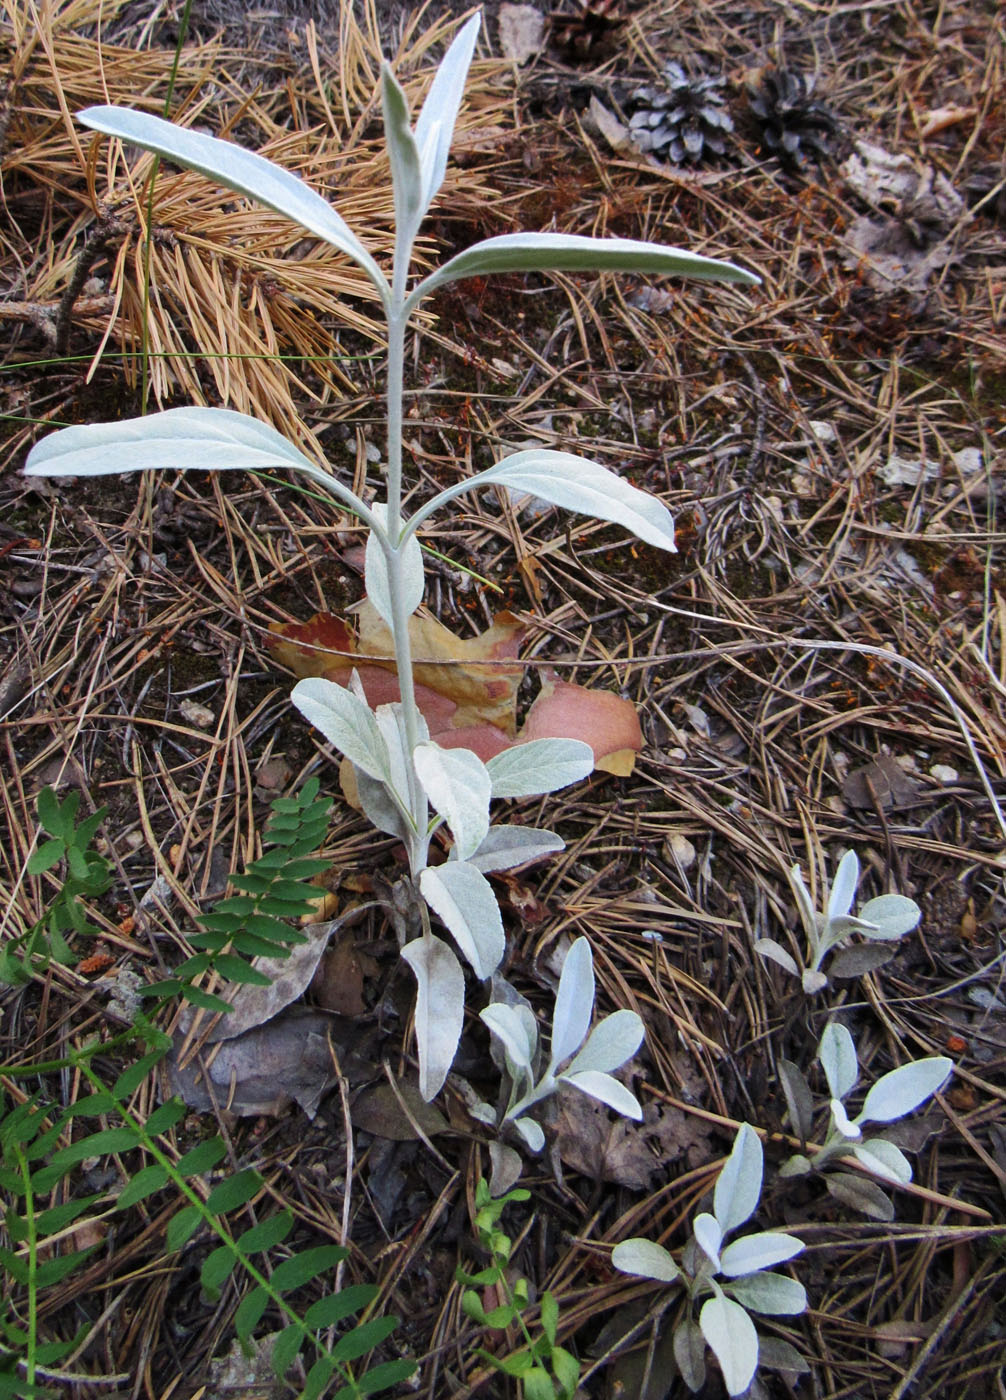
point(832, 447)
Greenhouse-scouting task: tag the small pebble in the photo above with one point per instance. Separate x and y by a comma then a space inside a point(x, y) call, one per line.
point(944, 774)
point(197, 714)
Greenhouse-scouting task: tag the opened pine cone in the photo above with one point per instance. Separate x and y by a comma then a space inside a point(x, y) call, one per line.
point(793, 125)
point(683, 120)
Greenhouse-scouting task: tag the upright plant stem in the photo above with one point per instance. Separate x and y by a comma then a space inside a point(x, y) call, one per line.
point(32, 1243)
point(183, 29)
point(397, 323)
point(395, 393)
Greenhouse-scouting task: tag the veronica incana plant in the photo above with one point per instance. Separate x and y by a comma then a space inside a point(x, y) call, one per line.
point(401, 774)
point(882, 920)
point(581, 1060)
point(732, 1279)
point(894, 1095)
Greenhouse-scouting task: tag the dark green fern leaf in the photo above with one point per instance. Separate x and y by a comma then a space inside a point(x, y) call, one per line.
point(87, 876)
point(260, 921)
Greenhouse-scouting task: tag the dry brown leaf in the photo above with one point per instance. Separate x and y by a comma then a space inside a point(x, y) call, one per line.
point(886, 254)
point(897, 185)
point(236, 1374)
point(288, 977)
point(940, 118)
point(379, 1111)
point(884, 781)
point(262, 1071)
point(616, 133)
point(272, 776)
point(520, 899)
point(896, 1337)
point(466, 701)
point(338, 983)
point(466, 689)
point(607, 1148)
point(455, 670)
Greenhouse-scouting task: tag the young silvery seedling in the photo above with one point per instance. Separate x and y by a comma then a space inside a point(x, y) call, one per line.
point(894, 1096)
point(399, 772)
point(884, 919)
point(609, 1045)
point(736, 1275)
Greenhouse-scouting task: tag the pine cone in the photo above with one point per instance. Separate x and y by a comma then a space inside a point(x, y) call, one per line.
point(589, 30)
point(683, 120)
point(792, 124)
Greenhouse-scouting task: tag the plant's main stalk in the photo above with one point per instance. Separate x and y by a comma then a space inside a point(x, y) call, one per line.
point(398, 320)
point(398, 324)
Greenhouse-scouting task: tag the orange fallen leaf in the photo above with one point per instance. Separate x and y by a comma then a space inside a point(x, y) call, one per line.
point(940, 118)
point(465, 688)
point(599, 718)
point(963, 1098)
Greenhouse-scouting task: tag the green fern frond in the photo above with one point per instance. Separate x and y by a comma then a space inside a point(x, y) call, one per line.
point(88, 875)
point(255, 922)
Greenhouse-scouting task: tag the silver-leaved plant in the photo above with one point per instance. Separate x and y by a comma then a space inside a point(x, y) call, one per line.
point(579, 1057)
point(884, 919)
point(734, 1279)
point(401, 774)
point(896, 1094)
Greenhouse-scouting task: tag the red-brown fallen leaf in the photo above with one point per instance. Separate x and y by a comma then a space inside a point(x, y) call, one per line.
point(100, 961)
point(465, 688)
point(600, 718)
point(520, 898)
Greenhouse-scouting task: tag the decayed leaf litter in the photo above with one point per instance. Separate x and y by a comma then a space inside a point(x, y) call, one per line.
point(740, 847)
